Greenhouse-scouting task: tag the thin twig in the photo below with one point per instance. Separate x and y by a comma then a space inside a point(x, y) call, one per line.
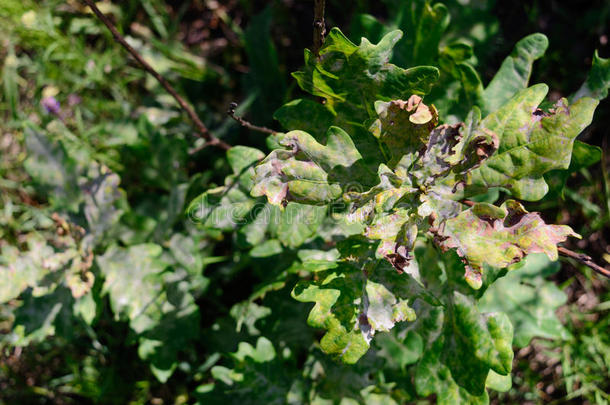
point(584, 259)
point(244, 123)
point(319, 28)
point(201, 128)
point(468, 203)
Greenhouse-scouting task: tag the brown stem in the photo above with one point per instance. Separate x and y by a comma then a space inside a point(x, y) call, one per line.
point(319, 28)
point(201, 128)
point(468, 203)
point(244, 123)
point(584, 259)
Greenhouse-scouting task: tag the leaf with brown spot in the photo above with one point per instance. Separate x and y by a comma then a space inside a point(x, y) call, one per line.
point(499, 236)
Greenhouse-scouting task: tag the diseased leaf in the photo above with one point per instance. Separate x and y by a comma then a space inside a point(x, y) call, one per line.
point(129, 278)
point(308, 172)
point(499, 236)
point(47, 259)
point(19, 271)
point(404, 179)
point(351, 78)
point(298, 223)
point(224, 208)
point(403, 126)
point(532, 142)
point(352, 305)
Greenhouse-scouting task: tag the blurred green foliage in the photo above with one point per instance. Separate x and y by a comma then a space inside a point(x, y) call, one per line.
point(113, 291)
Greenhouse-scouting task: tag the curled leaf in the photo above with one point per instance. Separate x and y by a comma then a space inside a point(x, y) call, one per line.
point(308, 171)
point(403, 126)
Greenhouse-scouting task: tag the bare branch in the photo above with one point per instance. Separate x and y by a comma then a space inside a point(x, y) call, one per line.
point(319, 28)
point(584, 259)
point(244, 123)
point(201, 128)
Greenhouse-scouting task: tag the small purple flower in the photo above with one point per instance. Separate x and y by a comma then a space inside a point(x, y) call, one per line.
point(51, 105)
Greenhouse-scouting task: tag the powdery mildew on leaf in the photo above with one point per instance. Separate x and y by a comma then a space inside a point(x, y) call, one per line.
point(308, 171)
point(532, 142)
point(499, 236)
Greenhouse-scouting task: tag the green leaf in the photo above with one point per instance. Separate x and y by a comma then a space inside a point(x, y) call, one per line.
point(367, 26)
point(529, 300)
point(157, 305)
point(242, 160)
point(433, 376)
point(515, 72)
point(264, 77)
point(583, 155)
point(423, 25)
point(352, 77)
point(102, 203)
point(431, 25)
point(472, 87)
point(258, 375)
point(598, 81)
point(267, 248)
point(41, 316)
point(305, 115)
point(10, 80)
point(299, 222)
point(248, 313)
point(488, 337)
point(499, 236)
point(353, 305)
point(498, 382)
point(531, 143)
point(224, 208)
point(53, 170)
point(167, 326)
point(399, 352)
point(336, 312)
point(462, 346)
point(264, 351)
